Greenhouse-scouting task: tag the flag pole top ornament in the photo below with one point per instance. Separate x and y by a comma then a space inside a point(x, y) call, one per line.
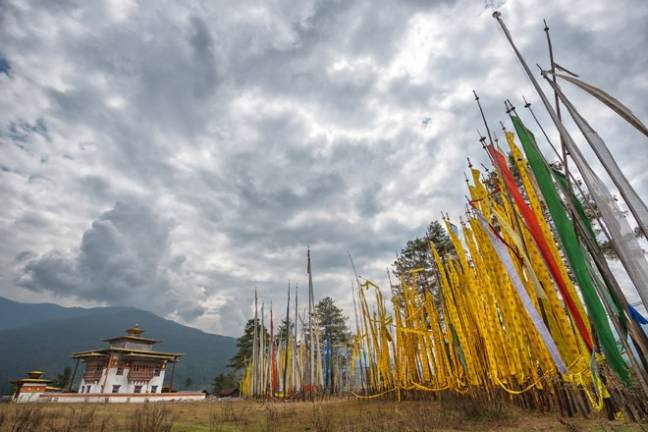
point(527, 104)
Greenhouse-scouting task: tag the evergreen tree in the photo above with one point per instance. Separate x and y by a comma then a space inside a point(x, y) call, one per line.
point(416, 255)
point(63, 379)
point(224, 381)
point(244, 345)
point(331, 322)
point(283, 329)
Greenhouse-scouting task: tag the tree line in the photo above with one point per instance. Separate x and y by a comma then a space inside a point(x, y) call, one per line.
point(331, 324)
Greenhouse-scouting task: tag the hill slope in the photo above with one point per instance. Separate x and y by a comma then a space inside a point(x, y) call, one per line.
point(14, 314)
point(47, 344)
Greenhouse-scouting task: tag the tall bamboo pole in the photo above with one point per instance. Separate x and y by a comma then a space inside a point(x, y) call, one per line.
point(565, 153)
point(294, 347)
point(363, 360)
point(255, 349)
point(262, 382)
point(285, 371)
point(310, 321)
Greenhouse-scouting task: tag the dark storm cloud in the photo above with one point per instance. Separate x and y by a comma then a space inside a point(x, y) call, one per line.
point(5, 66)
point(124, 258)
point(20, 132)
point(368, 200)
point(23, 256)
point(227, 137)
point(32, 220)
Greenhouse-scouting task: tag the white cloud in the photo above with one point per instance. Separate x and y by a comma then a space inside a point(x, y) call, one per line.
point(261, 129)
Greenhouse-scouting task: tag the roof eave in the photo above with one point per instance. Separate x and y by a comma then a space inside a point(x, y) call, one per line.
point(132, 338)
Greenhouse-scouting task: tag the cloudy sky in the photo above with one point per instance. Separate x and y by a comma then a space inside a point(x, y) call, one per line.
point(175, 155)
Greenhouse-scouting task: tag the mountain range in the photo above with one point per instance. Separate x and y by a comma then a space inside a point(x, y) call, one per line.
point(42, 336)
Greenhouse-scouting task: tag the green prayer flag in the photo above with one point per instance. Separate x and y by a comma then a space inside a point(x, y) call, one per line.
point(573, 249)
point(562, 180)
point(578, 206)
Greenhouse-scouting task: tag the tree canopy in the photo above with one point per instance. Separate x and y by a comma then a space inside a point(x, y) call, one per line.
point(331, 322)
point(284, 328)
point(416, 254)
point(63, 379)
point(224, 381)
point(244, 345)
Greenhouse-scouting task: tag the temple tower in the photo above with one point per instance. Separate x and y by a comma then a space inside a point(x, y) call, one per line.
point(128, 365)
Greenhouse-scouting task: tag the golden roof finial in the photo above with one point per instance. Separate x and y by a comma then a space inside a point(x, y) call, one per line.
point(135, 330)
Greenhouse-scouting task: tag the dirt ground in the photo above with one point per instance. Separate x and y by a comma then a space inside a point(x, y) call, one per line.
point(335, 415)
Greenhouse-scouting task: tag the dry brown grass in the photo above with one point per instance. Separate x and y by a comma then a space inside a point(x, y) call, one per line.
point(151, 418)
point(345, 415)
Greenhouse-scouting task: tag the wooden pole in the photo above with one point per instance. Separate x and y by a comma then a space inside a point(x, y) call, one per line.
point(565, 153)
point(310, 323)
point(262, 380)
point(70, 383)
point(255, 349)
point(173, 374)
point(294, 356)
point(285, 371)
point(363, 363)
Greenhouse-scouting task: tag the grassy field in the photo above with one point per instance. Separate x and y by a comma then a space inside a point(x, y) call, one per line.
point(336, 415)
